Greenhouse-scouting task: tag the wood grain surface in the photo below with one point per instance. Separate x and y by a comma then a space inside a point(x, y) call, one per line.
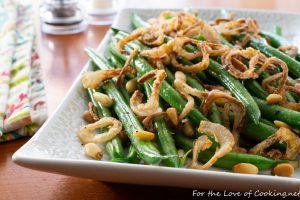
point(62, 59)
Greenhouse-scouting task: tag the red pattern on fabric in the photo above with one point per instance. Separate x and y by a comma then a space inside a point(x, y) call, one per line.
point(40, 103)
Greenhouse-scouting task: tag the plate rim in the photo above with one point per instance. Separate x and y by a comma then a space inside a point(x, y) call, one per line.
point(29, 161)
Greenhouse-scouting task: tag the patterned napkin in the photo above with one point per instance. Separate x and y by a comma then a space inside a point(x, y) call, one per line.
point(22, 96)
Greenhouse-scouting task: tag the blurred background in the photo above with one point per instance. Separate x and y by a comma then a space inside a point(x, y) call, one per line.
point(65, 63)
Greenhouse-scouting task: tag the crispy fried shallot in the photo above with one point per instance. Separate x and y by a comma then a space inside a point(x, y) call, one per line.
point(86, 134)
point(167, 53)
point(194, 68)
point(276, 83)
point(214, 87)
point(181, 42)
point(188, 106)
point(235, 27)
point(220, 20)
point(230, 104)
point(201, 28)
point(152, 36)
point(181, 86)
point(284, 135)
point(161, 53)
point(221, 135)
point(281, 77)
point(93, 79)
point(233, 63)
point(185, 90)
point(126, 68)
point(215, 49)
point(291, 105)
point(293, 87)
point(147, 122)
point(201, 144)
point(173, 22)
point(290, 50)
point(91, 110)
point(151, 106)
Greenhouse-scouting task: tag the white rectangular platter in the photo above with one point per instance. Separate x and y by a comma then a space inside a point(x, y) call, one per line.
point(56, 149)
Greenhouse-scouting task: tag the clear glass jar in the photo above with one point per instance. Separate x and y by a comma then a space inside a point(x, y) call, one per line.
point(62, 17)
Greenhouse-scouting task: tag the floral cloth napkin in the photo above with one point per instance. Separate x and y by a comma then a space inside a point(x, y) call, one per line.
point(22, 96)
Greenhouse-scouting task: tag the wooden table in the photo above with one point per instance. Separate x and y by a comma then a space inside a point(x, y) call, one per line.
point(63, 58)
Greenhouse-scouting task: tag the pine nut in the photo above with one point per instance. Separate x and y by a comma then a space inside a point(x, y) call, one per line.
point(180, 153)
point(283, 169)
point(274, 99)
point(173, 116)
point(187, 128)
point(180, 75)
point(131, 85)
point(103, 99)
point(245, 168)
point(144, 135)
point(86, 116)
point(92, 150)
point(280, 124)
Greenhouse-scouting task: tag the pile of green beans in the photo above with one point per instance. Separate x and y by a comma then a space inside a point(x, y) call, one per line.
point(227, 81)
point(169, 140)
point(142, 67)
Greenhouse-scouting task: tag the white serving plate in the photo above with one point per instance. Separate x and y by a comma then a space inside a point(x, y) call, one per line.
point(56, 149)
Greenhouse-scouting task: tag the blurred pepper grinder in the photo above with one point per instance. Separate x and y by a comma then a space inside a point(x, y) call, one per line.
point(62, 17)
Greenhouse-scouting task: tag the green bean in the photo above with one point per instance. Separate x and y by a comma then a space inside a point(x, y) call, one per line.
point(255, 88)
point(267, 122)
point(258, 132)
point(132, 156)
point(274, 40)
point(278, 30)
point(146, 150)
point(164, 136)
point(276, 112)
point(230, 159)
point(115, 148)
point(138, 22)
